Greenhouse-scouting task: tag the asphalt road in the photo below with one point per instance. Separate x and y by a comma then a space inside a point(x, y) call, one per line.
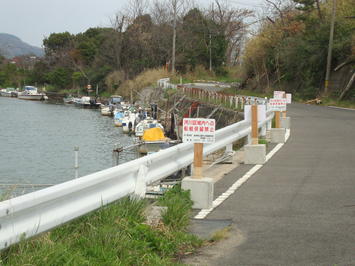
point(299, 208)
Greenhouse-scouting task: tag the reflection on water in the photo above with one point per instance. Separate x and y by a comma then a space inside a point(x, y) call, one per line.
point(37, 142)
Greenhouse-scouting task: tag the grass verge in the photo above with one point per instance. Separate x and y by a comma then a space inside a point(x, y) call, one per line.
point(113, 235)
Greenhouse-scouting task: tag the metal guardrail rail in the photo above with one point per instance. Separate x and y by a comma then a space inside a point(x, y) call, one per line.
point(33, 213)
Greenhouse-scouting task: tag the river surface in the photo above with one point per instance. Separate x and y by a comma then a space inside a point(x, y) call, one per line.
point(37, 141)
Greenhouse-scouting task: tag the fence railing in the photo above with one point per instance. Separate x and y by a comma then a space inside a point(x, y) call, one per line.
point(33, 213)
point(212, 96)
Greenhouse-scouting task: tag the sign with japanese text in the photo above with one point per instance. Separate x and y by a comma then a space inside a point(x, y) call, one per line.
point(279, 94)
point(198, 130)
point(277, 104)
point(261, 113)
point(288, 98)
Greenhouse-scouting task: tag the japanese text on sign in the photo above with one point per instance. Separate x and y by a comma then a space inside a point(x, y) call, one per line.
point(277, 104)
point(199, 130)
point(279, 94)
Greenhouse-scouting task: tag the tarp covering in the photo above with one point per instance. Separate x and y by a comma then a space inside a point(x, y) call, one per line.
point(153, 134)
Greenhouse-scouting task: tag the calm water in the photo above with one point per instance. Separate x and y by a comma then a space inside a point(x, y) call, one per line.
point(37, 142)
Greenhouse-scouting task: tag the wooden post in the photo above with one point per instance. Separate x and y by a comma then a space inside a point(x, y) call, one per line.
point(198, 158)
point(277, 119)
point(284, 112)
point(254, 125)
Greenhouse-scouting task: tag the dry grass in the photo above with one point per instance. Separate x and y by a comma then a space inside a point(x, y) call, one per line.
point(145, 79)
point(221, 234)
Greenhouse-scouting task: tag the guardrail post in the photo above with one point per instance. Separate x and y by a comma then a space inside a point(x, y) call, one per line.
point(254, 153)
point(277, 119)
point(141, 186)
point(198, 160)
point(254, 125)
point(76, 161)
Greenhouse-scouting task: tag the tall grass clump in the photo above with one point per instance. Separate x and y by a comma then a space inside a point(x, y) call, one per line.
point(147, 78)
point(179, 205)
point(113, 235)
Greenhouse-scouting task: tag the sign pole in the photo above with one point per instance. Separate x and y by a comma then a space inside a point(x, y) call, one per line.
point(277, 119)
point(254, 124)
point(284, 112)
point(198, 158)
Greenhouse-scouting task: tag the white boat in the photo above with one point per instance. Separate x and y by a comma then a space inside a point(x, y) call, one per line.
point(8, 92)
point(118, 118)
point(107, 110)
point(129, 122)
point(87, 102)
point(69, 99)
point(31, 93)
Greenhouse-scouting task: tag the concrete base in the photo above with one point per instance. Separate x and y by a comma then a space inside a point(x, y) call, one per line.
point(201, 191)
point(278, 135)
point(285, 122)
point(255, 154)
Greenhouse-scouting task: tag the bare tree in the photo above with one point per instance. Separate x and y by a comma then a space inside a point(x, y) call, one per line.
point(232, 23)
point(119, 24)
point(136, 8)
point(175, 6)
point(160, 12)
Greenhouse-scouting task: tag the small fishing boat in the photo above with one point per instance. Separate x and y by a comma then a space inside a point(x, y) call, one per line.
point(87, 102)
point(145, 124)
point(31, 93)
point(69, 99)
point(107, 110)
point(118, 118)
point(154, 140)
point(8, 92)
point(113, 103)
point(129, 122)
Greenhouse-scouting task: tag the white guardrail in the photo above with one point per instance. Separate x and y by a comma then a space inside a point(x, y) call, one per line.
point(33, 213)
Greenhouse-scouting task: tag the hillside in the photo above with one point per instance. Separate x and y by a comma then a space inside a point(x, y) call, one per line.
point(11, 46)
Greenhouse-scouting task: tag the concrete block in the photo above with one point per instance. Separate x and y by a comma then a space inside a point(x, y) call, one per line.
point(201, 191)
point(278, 135)
point(285, 122)
point(255, 154)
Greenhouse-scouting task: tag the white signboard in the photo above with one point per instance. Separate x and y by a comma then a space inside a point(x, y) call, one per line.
point(198, 130)
point(277, 104)
point(261, 113)
point(279, 94)
point(288, 98)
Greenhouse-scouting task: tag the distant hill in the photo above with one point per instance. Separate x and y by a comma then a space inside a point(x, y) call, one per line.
point(11, 46)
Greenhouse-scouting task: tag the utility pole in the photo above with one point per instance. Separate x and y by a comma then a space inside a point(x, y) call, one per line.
point(330, 47)
point(174, 3)
point(210, 52)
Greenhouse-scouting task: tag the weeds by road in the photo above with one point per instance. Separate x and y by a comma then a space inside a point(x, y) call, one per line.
point(114, 235)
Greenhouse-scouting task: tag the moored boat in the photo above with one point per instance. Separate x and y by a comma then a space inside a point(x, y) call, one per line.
point(8, 92)
point(87, 102)
point(31, 93)
point(145, 124)
point(118, 117)
point(129, 122)
point(153, 140)
point(69, 99)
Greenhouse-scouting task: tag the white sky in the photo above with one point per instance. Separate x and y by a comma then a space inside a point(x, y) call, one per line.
point(33, 20)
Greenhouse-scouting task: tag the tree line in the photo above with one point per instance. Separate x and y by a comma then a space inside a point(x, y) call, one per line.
point(141, 37)
point(290, 49)
point(287, 50)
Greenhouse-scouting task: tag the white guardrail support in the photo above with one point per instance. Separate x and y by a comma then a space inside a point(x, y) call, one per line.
point(33, 213)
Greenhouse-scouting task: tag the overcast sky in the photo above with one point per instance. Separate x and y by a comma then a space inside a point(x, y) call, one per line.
point(33, 20)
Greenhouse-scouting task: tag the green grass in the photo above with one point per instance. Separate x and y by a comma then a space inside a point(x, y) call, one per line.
point(334, 102)
point(263, 141)
point(113, 235)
